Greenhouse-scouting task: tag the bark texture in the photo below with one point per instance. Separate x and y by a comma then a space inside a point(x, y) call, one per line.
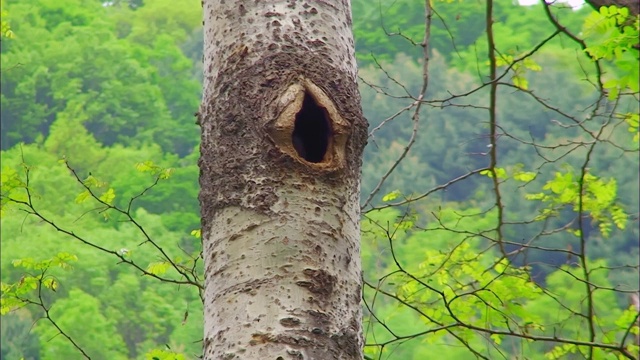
point(282, 141)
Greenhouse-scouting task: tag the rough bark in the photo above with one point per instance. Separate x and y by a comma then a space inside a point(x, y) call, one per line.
point(282, 141)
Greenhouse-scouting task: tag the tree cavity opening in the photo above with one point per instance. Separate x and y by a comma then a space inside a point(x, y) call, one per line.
point(311, 131)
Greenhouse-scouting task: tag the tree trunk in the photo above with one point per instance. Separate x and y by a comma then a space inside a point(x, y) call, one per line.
point(282, 141)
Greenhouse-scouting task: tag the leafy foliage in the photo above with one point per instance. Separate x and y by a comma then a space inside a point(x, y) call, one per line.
point(71, 48)
point(5, 28)
point(613, 38)
point(589, 194)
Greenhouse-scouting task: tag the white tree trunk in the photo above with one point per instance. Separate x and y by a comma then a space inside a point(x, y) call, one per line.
point(282, 141)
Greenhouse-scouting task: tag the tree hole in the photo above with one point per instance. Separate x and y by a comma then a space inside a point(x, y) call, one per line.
point(311, 131)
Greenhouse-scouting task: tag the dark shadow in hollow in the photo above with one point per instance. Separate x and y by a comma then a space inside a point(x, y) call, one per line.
point(311, 131)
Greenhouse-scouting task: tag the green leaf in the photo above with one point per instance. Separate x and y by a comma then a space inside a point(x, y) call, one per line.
point(536, 196)
point(525, 176)
point(82, 197)
point(152, 168)
point(504, 60)
point(158, 354)
point(27, 263)
point(487, 173)
point(165, 173)
point(521, 82)
point(632, 120)
point(158, 268)
point(391, 196)
point(530, 64)
point(605, 229)
point(50, 284)
point(624, 12)
point(501, 173)
point(108, 196)
point(619, 217)
point(146, 166)
point(62, 259)
point(91, 181)
point(611, 83)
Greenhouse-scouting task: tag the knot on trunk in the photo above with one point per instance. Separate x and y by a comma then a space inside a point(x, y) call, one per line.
point(309, 127)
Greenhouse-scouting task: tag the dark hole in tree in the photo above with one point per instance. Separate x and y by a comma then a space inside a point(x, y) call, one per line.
point(311, 131)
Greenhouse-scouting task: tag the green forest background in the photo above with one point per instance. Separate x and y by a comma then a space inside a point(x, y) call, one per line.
point(112, 88)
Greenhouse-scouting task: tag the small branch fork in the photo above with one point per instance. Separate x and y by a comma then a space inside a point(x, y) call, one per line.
point(593, 135)
point(444, 301)
point(189, 276)
point(40, 303)
point(416, 105)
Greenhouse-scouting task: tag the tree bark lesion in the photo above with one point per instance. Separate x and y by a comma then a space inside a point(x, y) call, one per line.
point(348, 341)
point(320, 282)
point(309, 127)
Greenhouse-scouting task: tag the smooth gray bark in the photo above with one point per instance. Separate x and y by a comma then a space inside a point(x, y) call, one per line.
point(282, 141)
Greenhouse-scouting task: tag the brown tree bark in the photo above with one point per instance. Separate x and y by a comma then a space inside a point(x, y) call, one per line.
point(282, 141)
